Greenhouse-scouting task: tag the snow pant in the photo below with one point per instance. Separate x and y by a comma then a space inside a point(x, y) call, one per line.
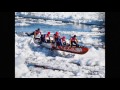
point(48, 41)
point(58, 43)
point(56, 39)
point(42, 38)
point(64, 44)
point(74, 43)
point(29, 34)
point(38, 40)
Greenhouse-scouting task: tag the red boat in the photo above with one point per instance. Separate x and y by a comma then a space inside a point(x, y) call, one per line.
point(73, 49)
point(76, 50)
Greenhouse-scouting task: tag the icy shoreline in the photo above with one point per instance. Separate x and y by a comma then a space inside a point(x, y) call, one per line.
point(89, 18)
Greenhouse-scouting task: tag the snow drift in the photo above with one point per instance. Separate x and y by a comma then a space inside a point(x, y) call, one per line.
point(33, 61)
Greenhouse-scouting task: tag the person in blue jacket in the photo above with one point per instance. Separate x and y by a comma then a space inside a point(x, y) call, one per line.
point(60, 41)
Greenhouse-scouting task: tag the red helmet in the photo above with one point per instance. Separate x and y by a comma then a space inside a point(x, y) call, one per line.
point(56, 33)
point(48, 33)
point(63, 37)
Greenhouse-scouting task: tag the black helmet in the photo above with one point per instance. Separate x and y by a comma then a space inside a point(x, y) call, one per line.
point(38, 29)
point(74, 35)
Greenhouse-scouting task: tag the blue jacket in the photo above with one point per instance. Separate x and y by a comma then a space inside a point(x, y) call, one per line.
point(58, 40)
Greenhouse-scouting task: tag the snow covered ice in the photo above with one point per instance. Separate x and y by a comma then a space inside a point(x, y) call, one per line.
point(34, 61)
point(74, 17)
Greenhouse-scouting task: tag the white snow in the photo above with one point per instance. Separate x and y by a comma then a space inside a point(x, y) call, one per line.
point(66, 15)
point(75, 17)
point(98, 30)
point(22, 24)
point(89, 65)
point(95, 29)
point(81, 33)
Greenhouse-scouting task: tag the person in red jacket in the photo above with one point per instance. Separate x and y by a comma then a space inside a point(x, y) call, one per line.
point(36, 33)
point(63, 41)
point(55, 36)
point(74, 40)
point(45, 37)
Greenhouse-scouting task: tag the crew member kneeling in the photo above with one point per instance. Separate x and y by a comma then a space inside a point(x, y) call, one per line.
point(45, 38)
point(60, 41)
point(74, 40)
